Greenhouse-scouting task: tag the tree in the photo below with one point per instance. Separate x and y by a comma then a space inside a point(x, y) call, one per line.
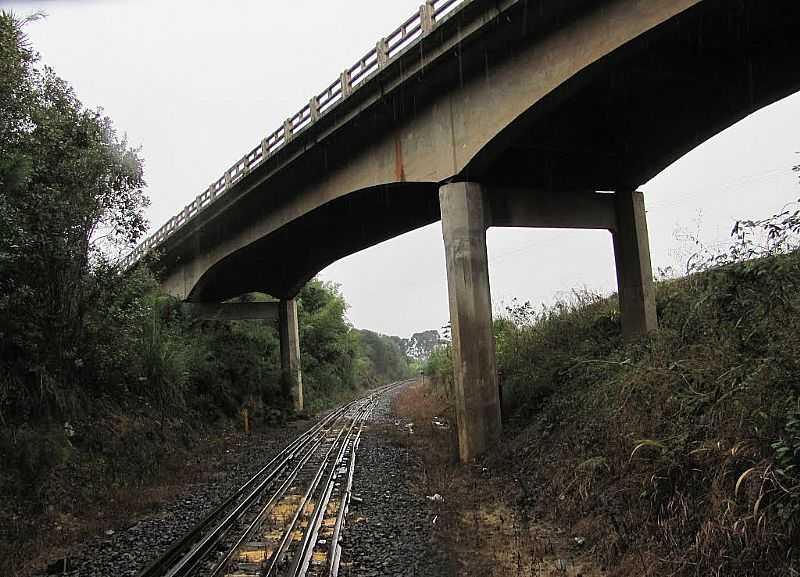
point(329, 349)
point(71, 201)
point(422, 344)
point(387, 360)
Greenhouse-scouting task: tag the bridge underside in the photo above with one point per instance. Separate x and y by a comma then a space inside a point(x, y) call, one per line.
point(540, 105)
point(613, 126)
point(282, 262)
point(622, 121)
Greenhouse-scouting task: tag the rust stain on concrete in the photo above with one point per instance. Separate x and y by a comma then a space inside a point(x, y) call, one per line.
point(399, 171)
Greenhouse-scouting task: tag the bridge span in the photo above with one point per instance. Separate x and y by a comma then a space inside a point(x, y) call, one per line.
point(479, 113)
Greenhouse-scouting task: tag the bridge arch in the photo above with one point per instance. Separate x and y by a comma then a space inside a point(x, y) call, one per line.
point(509, 113)
point(608, 114)
point(281, 262)
point(625, 117)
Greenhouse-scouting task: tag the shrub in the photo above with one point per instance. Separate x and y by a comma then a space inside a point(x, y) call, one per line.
point(28, 456)
point(677, 454)
point(439, 369)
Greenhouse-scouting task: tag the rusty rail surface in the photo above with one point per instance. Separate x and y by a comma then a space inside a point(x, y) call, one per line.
point(405, 36)
point(211, 547)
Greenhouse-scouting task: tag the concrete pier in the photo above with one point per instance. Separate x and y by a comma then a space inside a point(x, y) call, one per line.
point(634, 273)
point(477, 400)
point(289, 332)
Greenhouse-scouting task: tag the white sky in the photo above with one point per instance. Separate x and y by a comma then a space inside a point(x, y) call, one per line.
point(196, 83)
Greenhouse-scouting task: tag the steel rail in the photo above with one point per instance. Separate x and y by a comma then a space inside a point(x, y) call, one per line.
point(188, 553)
point(335, 548)
point(335, 551)
point(303, 556)
point(279, 493)
point(280, 552)
point(171, 557)
point(302, 560)
point(259, 518)
point(201, 549)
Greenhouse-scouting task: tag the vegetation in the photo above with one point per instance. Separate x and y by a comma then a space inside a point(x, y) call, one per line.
point(71, 193)
point(439, 369)
point(678, 454)
point(337, 359)
point(385, 357)
point(94, 360)
point(420, 345)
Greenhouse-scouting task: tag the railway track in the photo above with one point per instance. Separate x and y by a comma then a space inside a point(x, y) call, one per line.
point(287, 519)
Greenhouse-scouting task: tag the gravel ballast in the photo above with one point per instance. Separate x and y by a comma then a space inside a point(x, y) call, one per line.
point(390, 530)
point(123, 552)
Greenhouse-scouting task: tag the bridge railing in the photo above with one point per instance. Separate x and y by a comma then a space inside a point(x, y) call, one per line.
point(385, 51)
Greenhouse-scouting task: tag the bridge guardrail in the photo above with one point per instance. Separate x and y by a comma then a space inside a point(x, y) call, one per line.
point(385, 51)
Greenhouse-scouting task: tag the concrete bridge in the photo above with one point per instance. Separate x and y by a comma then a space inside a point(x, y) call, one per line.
point(483, 113)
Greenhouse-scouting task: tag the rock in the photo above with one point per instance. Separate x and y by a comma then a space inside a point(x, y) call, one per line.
point(60, 566)
point(440, 423)
point(393, 540)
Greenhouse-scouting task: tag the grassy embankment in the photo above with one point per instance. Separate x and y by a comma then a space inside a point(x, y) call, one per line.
point(678, 454)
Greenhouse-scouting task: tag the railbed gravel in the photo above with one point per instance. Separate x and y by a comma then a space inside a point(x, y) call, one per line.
point(389, 530)
point(128, 551)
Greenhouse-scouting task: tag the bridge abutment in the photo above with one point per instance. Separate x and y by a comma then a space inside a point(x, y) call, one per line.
point(464, 221)
point(634, 272)
point(289, 332)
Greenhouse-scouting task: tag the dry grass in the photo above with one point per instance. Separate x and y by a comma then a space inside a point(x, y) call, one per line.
point(481, 526)
point(677, 455)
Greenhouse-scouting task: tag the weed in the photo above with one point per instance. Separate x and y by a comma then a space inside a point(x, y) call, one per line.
point(680, 453)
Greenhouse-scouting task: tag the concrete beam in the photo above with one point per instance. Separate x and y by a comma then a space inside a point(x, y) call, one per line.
point(288, 329)
point(234, 311)
point(477, 398)
point(468, 115)
point(520, 207)
point(637, 301)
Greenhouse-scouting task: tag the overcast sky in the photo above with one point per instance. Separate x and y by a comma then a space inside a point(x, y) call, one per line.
point(197, 83)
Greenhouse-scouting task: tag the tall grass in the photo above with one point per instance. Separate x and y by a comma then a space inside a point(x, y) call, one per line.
point(678, 454)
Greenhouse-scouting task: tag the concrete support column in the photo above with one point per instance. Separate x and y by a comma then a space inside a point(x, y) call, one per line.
point(634, 273)
point(290, 349)
point(477, 401)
